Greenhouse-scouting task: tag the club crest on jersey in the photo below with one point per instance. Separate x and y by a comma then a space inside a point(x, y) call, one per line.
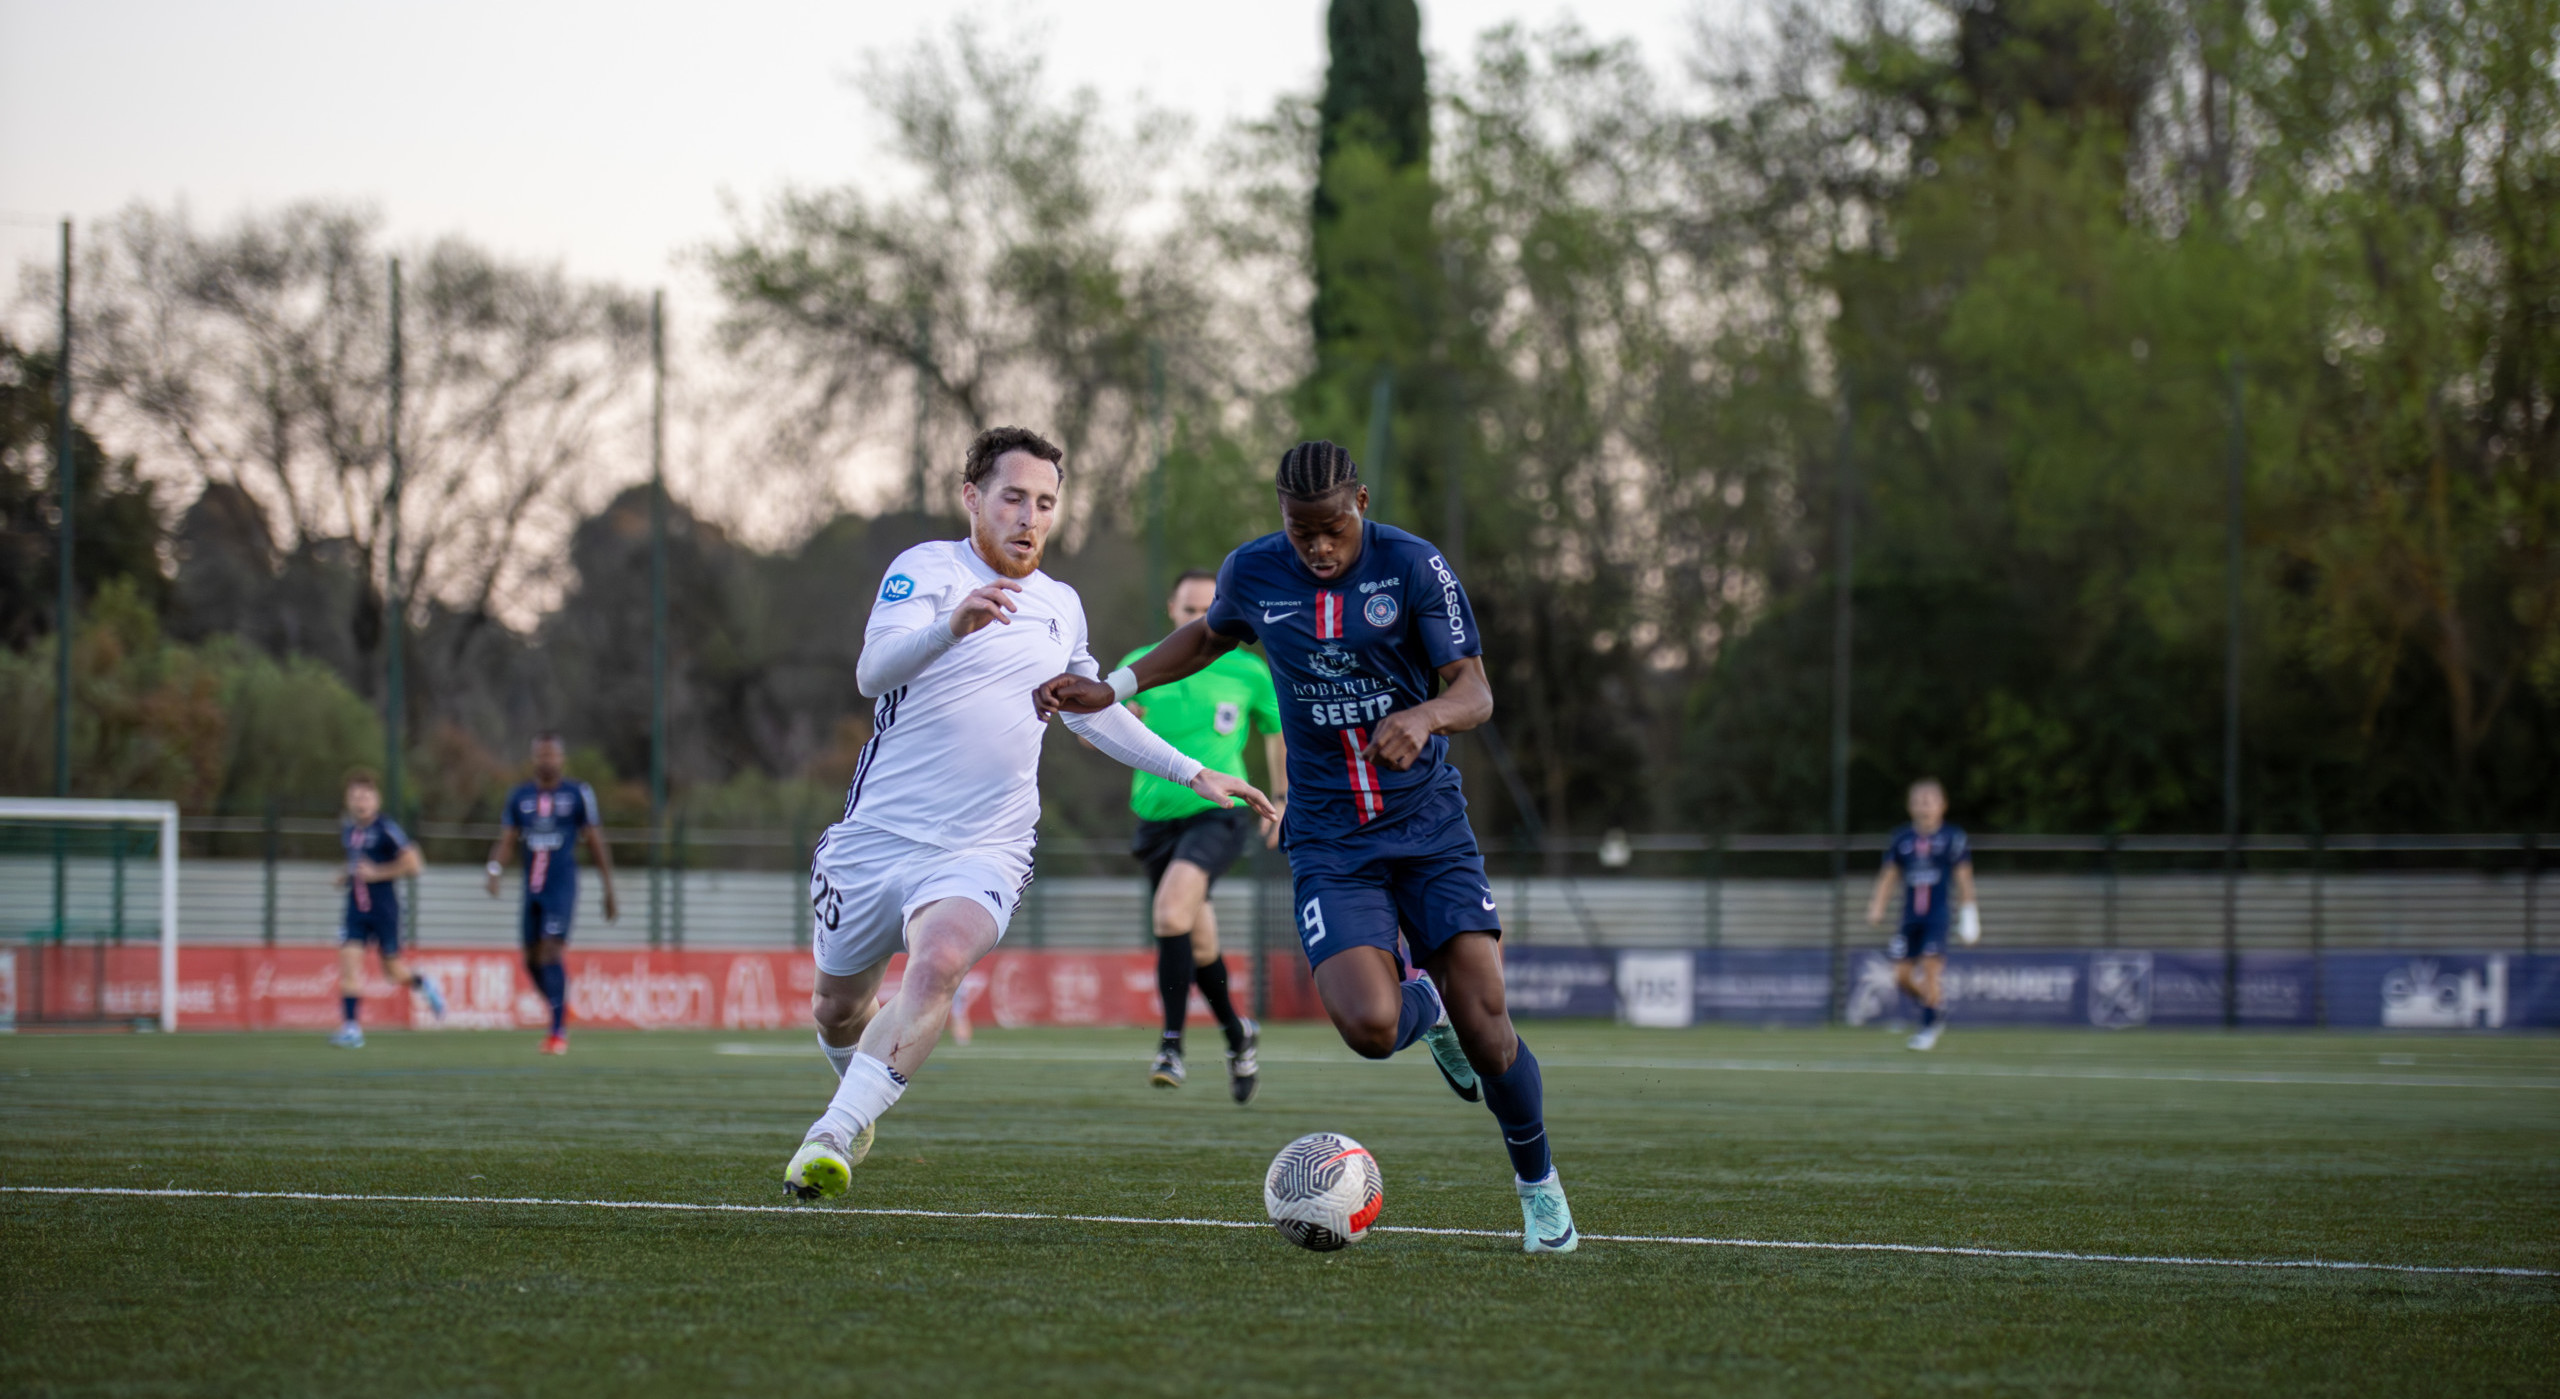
point(1380, 610)
point(1230, 715)
point(898, 589)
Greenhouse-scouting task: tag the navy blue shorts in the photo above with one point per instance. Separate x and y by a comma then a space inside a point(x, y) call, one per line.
point(545, 919)
point(1421, 876)
point(1919, 937)
point(381, 928)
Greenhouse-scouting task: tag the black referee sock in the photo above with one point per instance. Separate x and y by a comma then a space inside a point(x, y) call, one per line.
point(1173, 982)
point(1212, 978)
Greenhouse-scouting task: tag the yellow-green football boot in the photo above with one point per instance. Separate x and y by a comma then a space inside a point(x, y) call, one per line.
point(823, 1166)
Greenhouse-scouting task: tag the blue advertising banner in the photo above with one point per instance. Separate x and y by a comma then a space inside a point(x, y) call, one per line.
point(2443, 991)
point(1761, 986)
point(2112, 988)
point(1552, 982)
point(2185, 988)
point(1983, 988)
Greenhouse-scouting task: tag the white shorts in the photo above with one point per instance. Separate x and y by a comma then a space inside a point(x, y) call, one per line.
point(866, 883)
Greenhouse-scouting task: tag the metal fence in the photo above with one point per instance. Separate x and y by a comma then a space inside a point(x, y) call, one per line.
point(271, 881)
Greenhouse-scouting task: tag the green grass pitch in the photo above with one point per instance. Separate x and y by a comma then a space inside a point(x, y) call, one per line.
point(2430, 1151)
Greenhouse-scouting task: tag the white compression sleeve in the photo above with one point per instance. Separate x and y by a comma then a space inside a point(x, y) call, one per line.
point(1120, 736)
point(891, 659)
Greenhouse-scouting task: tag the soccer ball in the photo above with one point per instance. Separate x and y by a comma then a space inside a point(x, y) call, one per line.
point(1323, 1191)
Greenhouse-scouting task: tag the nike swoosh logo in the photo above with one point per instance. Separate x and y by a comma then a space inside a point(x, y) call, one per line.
point(1267, 617)
point(1488, 905)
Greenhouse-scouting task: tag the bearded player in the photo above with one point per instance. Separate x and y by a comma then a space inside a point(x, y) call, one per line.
point(1377, 659)
point(934, 850)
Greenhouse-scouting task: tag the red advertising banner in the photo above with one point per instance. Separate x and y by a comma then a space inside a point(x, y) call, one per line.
point(296, 988)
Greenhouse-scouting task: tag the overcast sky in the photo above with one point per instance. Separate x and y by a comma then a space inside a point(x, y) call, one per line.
point(600, 133)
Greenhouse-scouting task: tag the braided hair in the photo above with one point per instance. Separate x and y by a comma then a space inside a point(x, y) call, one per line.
point(1314, 470)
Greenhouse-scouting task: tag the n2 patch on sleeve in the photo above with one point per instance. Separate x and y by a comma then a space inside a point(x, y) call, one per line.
point(898, 589)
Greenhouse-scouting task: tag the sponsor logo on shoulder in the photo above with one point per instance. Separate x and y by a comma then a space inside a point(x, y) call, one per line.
point(1449, 597)
point(898, 589)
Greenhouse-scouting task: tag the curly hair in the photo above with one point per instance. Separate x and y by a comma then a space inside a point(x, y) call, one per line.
point(1314, 470)
point(993, 443)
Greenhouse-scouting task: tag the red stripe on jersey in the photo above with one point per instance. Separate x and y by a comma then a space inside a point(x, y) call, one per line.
point(1328, 616)
point(1367, 798)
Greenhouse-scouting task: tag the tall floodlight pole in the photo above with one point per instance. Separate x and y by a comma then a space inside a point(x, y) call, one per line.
point(394, 604)
point(2234, 467)
point(657, 603)
point(65, 485)
point(1382, 403)
point(1157, 564)
point(924, 408)
point(1843, 615)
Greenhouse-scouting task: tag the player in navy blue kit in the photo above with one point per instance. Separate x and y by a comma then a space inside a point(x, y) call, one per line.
point(1377, 658)
point(1925, 858)
point(379, 856)
point(551, 817)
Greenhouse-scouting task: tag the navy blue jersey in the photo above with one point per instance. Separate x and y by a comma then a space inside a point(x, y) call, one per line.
point(1928, 864)
point(1345, 653)
point(378, 841)
point(552, 822)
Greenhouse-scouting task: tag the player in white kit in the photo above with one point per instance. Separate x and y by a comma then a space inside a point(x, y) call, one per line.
point(934, 850)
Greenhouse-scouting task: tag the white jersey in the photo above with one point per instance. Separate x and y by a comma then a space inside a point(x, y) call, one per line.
point(954, 756)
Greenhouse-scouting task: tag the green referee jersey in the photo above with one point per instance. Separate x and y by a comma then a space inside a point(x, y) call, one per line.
point(1211, 715)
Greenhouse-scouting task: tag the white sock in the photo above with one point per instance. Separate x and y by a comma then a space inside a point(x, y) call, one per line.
point(869, 1087)
point(838, 1057)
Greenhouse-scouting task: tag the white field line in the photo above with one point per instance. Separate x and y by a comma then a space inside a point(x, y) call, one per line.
point(1770, 1066)
point(1793, 1245)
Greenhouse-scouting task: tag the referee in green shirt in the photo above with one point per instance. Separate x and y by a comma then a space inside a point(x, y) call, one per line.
point(1186, 843)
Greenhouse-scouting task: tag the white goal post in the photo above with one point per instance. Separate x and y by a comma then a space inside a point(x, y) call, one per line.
point(129, 813)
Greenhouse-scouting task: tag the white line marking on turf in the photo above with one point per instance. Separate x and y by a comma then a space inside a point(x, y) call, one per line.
point(1770, 1066)
point(1791, 1245)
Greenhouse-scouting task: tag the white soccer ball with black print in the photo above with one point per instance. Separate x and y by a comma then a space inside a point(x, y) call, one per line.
point(1323, 1191)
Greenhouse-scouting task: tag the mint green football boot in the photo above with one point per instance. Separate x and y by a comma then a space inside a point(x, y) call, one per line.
point(1546, 1221)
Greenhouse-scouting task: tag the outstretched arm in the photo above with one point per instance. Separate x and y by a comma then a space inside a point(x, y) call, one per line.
point(1185, 653)
point(504, 846)
point(1120, 736)
point(1465, 700)
point(603, 856)
point(1886, 878)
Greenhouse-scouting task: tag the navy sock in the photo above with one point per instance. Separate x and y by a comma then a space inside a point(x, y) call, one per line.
point(555, 989)
point(1212, 979)
point(1173, 983)
point(347, 1009)
point(1421, 1011)
point(1519, 1102)
point(1928, 1016)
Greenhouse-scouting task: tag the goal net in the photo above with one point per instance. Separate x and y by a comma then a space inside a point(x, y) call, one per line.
point(88, 913)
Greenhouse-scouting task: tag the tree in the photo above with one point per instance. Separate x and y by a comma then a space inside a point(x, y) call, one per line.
point(116, 512)
point(254, 358)
point(1014, 285)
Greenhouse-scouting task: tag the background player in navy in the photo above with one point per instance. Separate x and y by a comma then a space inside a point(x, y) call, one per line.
point(1926, 857)
point(379, 856)
point(550, 817)
point(1376, 657)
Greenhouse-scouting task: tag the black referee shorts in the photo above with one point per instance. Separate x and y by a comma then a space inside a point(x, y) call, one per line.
point(1211, 839)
